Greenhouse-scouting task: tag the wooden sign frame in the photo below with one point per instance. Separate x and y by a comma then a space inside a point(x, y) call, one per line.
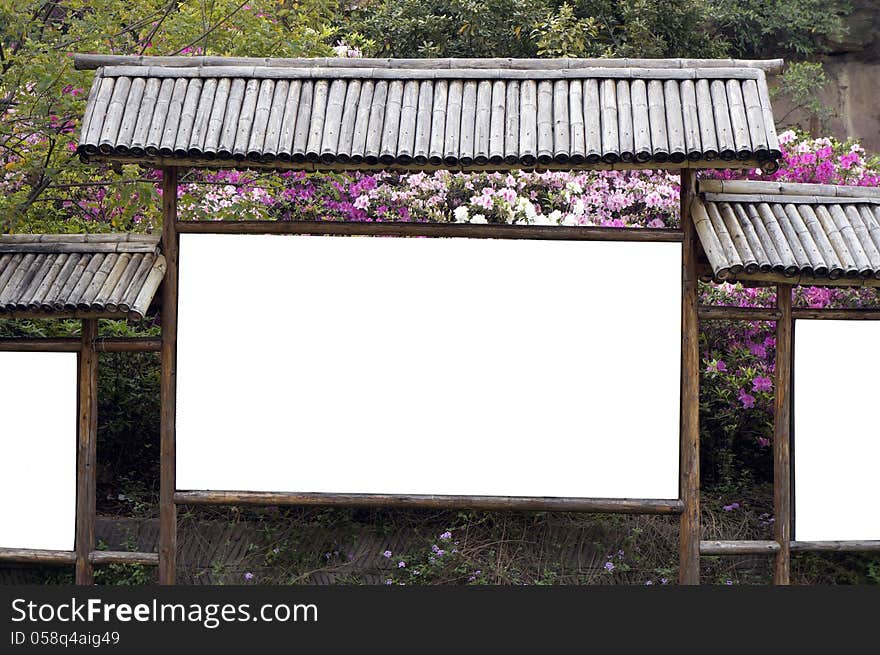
point(686, 506)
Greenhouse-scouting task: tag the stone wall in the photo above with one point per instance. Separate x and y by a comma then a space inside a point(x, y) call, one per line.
point(853, 93)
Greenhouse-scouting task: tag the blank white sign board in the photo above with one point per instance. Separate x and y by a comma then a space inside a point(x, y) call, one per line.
point(37, 450)
point(428, 366)
point(836, 430)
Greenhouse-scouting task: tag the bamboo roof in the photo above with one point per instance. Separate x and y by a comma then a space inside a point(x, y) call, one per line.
point(107, 275)
point(471, 114)
point(792, 233)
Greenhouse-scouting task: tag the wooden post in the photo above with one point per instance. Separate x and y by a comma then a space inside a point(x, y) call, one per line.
point(689, 471)
point(782, 438)
point(87, 433)
point(168, 384)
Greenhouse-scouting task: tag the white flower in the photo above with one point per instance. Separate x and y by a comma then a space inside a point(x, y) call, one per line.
point(579, 208)
point(787, 137)
point(554, 217)
point(460, 214)
point(362, 202)
point(478, 218)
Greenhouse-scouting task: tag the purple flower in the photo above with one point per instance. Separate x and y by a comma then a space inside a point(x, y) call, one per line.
point(758, 349)
point(747, 400)
point(386, 554)
point(729, 583)
point(389, 581)
point(401, 564)
point(663, 580)
point(248, 576)
point(731, 507)
point(609, 566)
point(446, 536)
point(761, 383)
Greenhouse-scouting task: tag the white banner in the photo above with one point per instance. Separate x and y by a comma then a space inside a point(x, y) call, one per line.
point(429, 366)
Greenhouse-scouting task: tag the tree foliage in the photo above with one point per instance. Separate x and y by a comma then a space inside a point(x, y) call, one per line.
point(44, 187)
point(42, 97)
point(578, 28)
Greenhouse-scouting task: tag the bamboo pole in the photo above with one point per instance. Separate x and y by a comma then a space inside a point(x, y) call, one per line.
point(87, 61)
point(689, 483)
point(782, 438)
point(87, 439)
point(168, 383)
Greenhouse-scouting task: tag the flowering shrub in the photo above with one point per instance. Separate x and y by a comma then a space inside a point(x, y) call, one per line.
point(821, 161)
point(612, 198)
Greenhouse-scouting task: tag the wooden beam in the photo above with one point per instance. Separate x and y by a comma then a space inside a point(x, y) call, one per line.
point(13, 344)
point(689, 449)
point(86, 460)
point(32, 556)
point(129, 345)
point(713, 313)
point(835, 546)
point(38, 314)
point(74, 345)
point(766, 279)
point(487, 503)
point(837, 314)
point(123, 557)
point(738, 547)
point(782, 438)
point(157, 161)
point(470, 230)
point(168, 383)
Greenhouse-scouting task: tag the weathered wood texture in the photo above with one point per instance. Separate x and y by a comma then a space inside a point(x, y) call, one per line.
point(738, 547)
point(782, 438)
point(86, 61)
point(790, 233)
point(837, 314)
point(425, 112)
point(74, 345)
point(168, 383)
point(86, 457)
point(720, 313)
point(226, 162)
point(488, 503)
point(83, 275)
point(32, 556)
point(835, 546)
point(123, 557)
point(689, 484)
point(566, 233)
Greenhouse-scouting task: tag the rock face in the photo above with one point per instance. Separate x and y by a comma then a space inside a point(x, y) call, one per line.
point(853, 93)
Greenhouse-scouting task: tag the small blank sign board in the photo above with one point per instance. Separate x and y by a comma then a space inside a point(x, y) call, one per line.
point(37, 450)
point(444, 366)
point(836, 430)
